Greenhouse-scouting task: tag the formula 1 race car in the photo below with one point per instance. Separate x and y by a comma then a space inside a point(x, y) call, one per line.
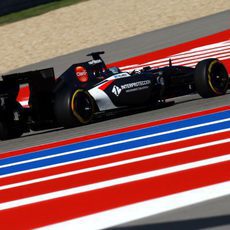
point(89, 88)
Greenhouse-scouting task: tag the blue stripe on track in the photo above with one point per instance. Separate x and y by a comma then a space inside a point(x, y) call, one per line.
point(114, 148)
point(119, 137)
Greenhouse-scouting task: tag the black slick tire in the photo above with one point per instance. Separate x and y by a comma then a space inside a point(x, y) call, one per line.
point(211, 78)
point(4, 131)
point(10, 127)
point(73, 107)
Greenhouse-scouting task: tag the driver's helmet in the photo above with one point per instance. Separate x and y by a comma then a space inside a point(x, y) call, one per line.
point(114, 70)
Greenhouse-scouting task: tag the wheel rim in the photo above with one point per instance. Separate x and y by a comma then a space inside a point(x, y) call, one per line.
point(217, 78)
point(82, 106)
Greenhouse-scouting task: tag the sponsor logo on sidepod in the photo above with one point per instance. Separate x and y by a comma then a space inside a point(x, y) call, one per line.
point(136, 84)
point(116, 90)
point(81, 74)
point(130, 87)
point(93, 62)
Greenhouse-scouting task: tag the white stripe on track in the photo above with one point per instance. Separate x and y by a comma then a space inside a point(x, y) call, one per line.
point(118, 163)
point(194, 63)
point(187, 63)
point(178, 60)
point(182, 55)
point(189, 56)
point(195, 59)
point(113, 182)
point(207, 47)
point(194, 53)
point(117, 142)
point(216, 50)
point(114, 153)
point(143, 209)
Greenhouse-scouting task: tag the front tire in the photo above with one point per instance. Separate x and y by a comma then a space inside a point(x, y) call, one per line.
point(211, 78)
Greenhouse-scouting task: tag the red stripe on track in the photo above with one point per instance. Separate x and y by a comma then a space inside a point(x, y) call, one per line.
point(191, 59)
point(111, 132)
point(57, 210)
point(114, 172)
point(214, 38)
point(113, 158)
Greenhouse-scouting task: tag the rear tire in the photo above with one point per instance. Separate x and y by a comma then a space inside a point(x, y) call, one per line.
point(9, 127)
point(73, 107)
point(4, 132)
point(9, 130)
point(211, 78)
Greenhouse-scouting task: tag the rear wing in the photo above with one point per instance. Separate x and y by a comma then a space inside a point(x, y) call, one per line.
point(39, 81)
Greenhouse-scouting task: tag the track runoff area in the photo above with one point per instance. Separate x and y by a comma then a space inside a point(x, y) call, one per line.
point(109, 178)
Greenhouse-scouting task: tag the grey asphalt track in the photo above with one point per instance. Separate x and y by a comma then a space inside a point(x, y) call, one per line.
point(131, 47)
